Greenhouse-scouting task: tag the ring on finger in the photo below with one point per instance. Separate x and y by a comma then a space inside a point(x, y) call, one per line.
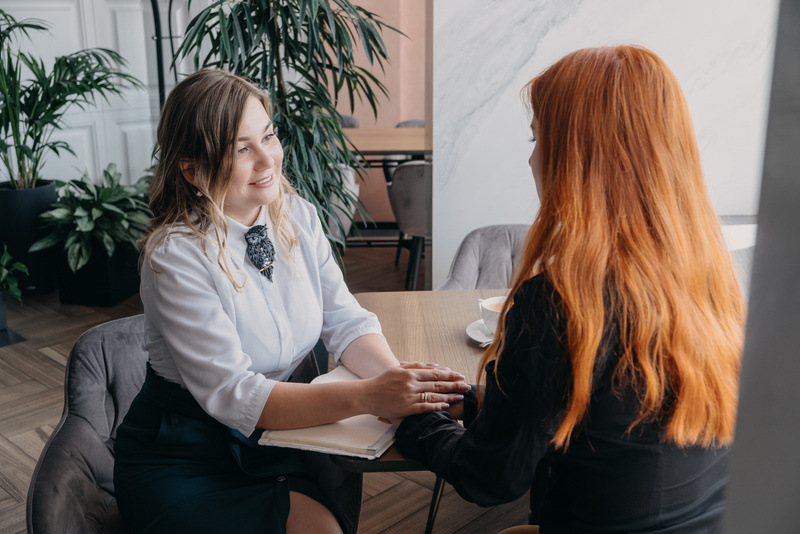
point(423, 396)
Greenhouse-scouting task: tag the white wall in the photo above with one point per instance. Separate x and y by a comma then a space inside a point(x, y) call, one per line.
point(485, 52)
point(121, 130)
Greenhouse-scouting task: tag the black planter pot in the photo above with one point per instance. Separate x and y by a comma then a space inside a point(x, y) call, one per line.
point(7, 337)
point(20, 227)
point(3, 315)
point(102, 282)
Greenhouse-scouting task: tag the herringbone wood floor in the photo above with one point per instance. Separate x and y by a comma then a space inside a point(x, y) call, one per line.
point(31, 400)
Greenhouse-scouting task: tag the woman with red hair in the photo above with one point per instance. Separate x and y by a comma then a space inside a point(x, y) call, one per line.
point(616, 362)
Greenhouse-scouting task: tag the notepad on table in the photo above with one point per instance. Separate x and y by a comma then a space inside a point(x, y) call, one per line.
point(363, 436)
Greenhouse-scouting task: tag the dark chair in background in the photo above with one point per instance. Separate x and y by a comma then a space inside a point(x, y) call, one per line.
point(390, 164)
point(410, 194)
point(72, 488)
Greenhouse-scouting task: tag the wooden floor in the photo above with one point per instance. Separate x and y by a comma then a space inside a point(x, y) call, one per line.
point(31, 400)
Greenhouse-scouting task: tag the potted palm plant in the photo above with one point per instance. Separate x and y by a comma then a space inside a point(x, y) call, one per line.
point(9, 285)
point(302, 53)
point(98, 226)
point(33, 101)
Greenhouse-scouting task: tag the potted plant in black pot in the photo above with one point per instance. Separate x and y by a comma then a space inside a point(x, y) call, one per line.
point(33, 101)
point(9, 285)
point(98, 226)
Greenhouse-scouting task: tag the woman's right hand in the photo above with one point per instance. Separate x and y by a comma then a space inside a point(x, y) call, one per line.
point(411, 388)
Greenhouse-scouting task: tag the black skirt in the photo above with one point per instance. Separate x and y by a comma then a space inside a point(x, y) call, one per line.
point(178, 469)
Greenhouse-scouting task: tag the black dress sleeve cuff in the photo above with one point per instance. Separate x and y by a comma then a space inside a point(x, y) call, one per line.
point(470, 404)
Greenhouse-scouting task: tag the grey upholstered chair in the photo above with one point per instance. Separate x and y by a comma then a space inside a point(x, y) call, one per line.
point(391, 162)
point(410, 195)
point(72, 489)
point(349, 121)
point(487, 257)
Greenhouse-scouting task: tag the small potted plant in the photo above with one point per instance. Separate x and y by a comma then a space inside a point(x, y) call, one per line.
point(98, 226)
point(9, 284)
point(34, 98)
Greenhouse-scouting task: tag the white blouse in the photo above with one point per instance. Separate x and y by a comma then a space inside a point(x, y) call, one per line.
point(228, 347)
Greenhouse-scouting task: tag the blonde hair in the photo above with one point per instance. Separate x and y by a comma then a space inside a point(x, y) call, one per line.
point(199, 122)
point(626, 228)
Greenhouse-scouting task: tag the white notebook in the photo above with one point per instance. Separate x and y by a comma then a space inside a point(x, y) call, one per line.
point(362, 436)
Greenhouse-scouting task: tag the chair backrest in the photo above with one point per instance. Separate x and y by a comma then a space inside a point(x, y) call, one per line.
point(391, 162)
point(348, 121)
point(410, 195)
point(411, 123)
point(487, 257)
point(72, 486)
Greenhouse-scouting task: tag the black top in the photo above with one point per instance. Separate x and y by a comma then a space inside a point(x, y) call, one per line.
point(608, 480)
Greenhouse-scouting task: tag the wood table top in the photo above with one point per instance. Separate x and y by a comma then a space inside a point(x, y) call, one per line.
point(425, 326)
point(431, 326)
point(389, 141)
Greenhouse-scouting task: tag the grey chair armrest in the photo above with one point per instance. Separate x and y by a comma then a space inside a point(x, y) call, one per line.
point(73, 484)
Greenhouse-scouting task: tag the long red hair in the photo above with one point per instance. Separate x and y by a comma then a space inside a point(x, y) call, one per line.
point(625, 215)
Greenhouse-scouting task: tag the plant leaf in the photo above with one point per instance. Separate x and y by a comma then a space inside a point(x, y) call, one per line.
point(46, 242)
point(302, 54)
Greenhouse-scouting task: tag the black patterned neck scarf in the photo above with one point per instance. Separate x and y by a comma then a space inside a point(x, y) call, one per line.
point(260, 250)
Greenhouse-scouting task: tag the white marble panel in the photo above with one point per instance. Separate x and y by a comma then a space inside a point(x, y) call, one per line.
point(485, 52)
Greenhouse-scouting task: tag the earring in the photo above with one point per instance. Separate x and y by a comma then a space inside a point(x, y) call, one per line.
point(198, 193)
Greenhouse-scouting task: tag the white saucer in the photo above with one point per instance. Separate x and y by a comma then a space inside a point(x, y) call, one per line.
point(478, 332)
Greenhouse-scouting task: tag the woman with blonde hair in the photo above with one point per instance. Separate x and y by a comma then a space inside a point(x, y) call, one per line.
point(238, 285)
point(617, 358)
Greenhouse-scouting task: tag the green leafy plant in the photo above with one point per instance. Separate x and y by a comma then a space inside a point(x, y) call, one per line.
point(302, 53)
point(31, 110)
point(8, 281)
point(88, 215)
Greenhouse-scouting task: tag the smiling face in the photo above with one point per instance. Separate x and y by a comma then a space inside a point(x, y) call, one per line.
point(535, 160)
point(257, 160)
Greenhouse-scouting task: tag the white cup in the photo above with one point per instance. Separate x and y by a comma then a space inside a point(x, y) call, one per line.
point(490, 311)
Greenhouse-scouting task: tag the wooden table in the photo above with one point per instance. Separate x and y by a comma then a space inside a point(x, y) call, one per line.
point(425, 326)
point(389, 141)
point(430, 326)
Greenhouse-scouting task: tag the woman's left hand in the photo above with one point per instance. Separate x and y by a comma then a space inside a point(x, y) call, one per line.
point(425, 388)
point(455, 411)
point(411, 388)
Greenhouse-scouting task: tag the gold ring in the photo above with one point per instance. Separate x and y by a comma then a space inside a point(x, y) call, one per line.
point(424, 396)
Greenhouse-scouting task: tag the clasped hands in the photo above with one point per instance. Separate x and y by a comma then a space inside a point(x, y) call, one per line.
point(412, 388)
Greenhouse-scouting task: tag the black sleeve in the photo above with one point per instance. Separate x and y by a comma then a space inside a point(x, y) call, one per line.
point(470, 405)
point(492, 461)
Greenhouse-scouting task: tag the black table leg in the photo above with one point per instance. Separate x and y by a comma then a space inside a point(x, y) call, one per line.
point(438, 489)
